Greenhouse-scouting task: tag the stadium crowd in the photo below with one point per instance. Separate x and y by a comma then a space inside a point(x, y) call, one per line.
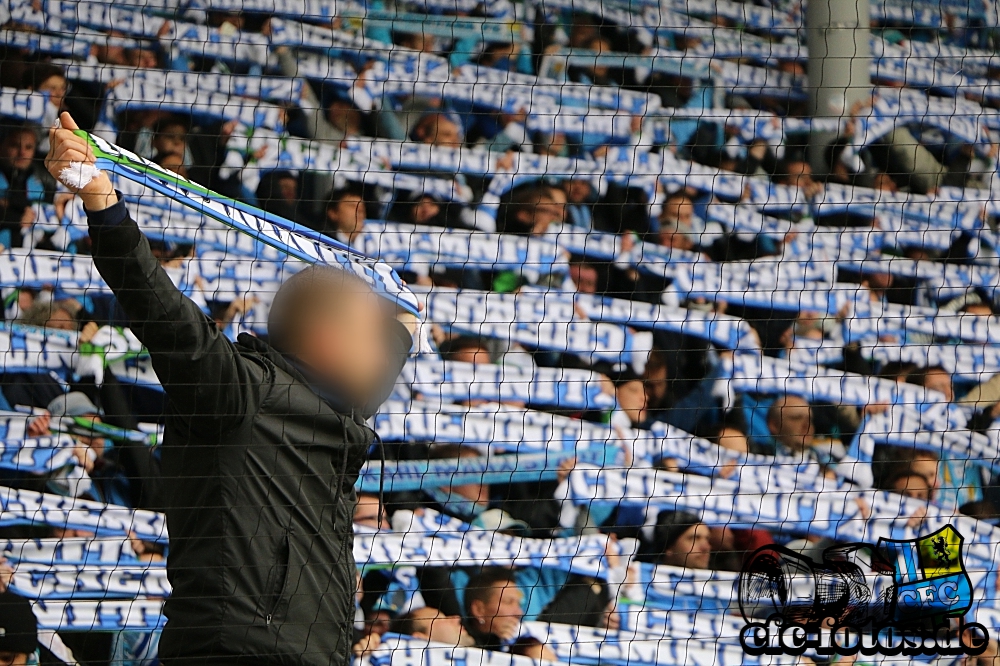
point(634, 279)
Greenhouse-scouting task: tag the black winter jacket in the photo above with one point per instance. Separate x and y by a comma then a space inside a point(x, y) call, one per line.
point(259, 470)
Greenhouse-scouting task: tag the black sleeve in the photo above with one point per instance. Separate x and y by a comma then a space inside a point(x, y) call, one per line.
point(207, 380)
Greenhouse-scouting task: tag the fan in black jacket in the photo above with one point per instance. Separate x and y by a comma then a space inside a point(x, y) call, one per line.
point(262, 447)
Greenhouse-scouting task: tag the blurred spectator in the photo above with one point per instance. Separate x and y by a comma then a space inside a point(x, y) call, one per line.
point(531, 211)
point(21, 185)
point(493, 609)
point(433, 625)
point(439, 129)
point(368, 512)
point(680, 539)
point(345, 214)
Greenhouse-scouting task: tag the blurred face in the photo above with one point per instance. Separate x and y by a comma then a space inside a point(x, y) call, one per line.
point(56, 87)
point(440, 131)
point(433, 625)
point(543, 215)
point(913, 485)
point(475, 355)
point(348, 215)
point(500, 613)
point(799, 174)
point(344, 116)
point(584, 277)
point(96, 443)
point(347, 345)
point(791, 424)
point(734, 440)
point(366, 512)
point(142, 58)
point(577, 191)
point(171, 141)
point(425, 210)
point(288, 189)
point(927, 468)
point(19, 149)
point(632, 400)
point(656, 384)
point(693, 549)
point(13, 659)
point(679, 211)
point(61, 319)
point(174, 163)
point(938, 380)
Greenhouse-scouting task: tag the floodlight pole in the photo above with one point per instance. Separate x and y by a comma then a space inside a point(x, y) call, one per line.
point(837, 35)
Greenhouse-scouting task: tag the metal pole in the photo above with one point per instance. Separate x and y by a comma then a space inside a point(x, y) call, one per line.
point(837, 35)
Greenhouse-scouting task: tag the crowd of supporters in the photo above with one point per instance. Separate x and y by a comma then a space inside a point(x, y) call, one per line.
point(327, 151)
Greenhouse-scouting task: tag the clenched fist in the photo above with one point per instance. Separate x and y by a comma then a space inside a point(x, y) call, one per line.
point(67, 148)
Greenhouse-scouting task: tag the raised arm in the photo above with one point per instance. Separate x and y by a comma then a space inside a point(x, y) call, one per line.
point(203, 374)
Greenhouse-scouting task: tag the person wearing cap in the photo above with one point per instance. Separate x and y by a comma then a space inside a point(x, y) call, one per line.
point(76, 405)
point(18, 630)
point(680, 539)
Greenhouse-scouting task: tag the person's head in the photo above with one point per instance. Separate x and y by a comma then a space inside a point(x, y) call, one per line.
point(934, 378)
point(466, 349)
point(333, 323)
point(368, 512)
point(682, 540)
point(18, 630)
point(584, 276)
point(493, 603)
point(433, 625)
point(733, 439)
point(678, 210)
point(425, 210)
point(578, 190)
point(656, 379)
point(476, 493)
point(77, 405)
point(676, 221)
point(142, 58)
point(925, 464)
point(345, 116)
point(170, 137)
point(911, 484)
point(795, 173)
point(439, 129)
point(52, 314)
point(632, 400)
point(49, 79)
point(17, 150)
point(173, 162)
point(790, 422)
point(345, 211)
point(531, 211)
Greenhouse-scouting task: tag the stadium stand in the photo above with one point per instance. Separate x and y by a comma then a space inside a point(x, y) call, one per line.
point(656, 339)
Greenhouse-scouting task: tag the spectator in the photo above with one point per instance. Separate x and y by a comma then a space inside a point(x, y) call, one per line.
point(911, 484)
point(466, 349)
point(345, 214)
point(531, 211)
point(493, 609)
point(368, 512)
point(433, 625)
point(18, 631)
point(278, 193)
point(790, 422)
point(21, 186)
point(680, 539)
point(935, 378)
point(439, 129)
point(796, 172)
point(584, 277)
point(466, 501)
